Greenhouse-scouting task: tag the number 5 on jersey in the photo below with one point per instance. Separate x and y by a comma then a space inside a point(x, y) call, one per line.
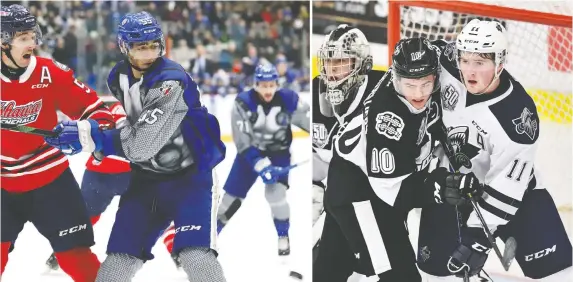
point(150, 116)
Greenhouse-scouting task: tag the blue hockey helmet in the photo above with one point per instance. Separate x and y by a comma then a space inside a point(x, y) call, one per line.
point(139, 28)
point(266, 72)
point(16, 18)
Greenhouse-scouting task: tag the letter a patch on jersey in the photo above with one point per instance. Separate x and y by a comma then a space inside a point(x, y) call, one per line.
point(390, 125)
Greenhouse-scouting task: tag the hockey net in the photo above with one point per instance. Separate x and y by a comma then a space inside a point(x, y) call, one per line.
point(539, 56)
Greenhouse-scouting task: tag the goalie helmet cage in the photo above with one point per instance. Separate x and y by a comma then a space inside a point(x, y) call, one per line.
point(539, 56)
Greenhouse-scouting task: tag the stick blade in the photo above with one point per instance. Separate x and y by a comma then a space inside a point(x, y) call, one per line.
point(509, 252)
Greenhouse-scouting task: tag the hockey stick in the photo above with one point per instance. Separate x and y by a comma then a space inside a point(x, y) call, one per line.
point(511, 244)
point(29, 130)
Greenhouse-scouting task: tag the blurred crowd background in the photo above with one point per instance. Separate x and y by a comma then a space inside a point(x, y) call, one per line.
point(219, 43)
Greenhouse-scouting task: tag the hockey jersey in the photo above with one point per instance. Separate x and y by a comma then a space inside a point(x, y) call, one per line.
point(111, 164)
point(325, 129)
point(382, 151)
point(167, 128)
point(494, 135)
point(46, 86)
point(260, 127)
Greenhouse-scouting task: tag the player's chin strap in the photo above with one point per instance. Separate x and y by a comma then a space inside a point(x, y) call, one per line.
point(9, 55)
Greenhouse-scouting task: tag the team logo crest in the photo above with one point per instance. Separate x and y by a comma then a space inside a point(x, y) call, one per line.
point(283, 119)
point(526, 124)
point(167, 86)
point(422, 130)
point(14, 114)
point(319, 135)
point(424, 254)
point(390, 125)
point(450, 97)
point(458, 142)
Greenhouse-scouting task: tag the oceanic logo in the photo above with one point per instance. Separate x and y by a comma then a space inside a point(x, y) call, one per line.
point(525, 123)
point(14, 114)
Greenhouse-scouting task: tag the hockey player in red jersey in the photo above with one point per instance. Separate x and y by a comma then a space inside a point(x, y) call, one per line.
point(102, 180)
point(35, 176)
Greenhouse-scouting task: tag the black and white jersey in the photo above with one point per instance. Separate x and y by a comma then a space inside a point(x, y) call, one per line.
point(494, 136)
point(324, 129)
point(382, 151)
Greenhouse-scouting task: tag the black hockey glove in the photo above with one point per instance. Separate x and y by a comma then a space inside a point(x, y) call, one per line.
point(453, 188)
point(471, 254)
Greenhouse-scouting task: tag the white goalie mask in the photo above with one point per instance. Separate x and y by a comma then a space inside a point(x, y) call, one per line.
point(343, 60)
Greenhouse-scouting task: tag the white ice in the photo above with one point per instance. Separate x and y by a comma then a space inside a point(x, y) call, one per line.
point(247, 245)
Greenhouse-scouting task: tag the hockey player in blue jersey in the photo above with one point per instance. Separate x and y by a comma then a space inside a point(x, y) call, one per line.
point(173, 144)
point(261, 122)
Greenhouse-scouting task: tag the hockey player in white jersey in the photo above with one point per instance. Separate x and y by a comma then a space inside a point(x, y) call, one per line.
point(493, 127)
point(261, 123)
point(377, 173)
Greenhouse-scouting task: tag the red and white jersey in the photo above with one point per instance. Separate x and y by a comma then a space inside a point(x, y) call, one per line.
point(33, 100)
point(112, 164)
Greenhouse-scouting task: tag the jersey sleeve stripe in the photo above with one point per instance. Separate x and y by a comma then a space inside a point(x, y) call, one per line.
point(495, 211)
point(41, 160)
point(91, 108)
point(34, 156)
point(38, 170)
point(501, 197)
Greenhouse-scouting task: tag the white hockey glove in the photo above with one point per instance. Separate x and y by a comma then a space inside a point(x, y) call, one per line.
point(317, 200)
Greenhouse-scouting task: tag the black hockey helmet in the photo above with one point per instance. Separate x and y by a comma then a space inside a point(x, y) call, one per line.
point(13, 19)
point(16, 18)
point(415, 58)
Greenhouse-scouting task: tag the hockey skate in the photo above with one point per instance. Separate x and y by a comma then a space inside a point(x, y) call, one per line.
point(284, 246)
point(52, 263)
point(176, 260)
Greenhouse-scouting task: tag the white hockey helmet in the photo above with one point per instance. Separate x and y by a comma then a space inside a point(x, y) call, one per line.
point(484, 37)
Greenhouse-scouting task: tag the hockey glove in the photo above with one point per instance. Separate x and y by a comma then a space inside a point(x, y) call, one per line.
point(471, 254)
point(317, 199)
point(77, 136)
point(269, 173)
point(453, 188)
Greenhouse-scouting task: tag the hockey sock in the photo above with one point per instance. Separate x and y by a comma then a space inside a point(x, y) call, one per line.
point(169, 235)
point(282, 227)
point(94, 219)
point(201, 265)
point(4, 254)
point(79, 263)
point(118, 268)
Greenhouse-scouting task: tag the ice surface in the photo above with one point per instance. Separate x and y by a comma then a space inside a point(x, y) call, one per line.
point(247, 245)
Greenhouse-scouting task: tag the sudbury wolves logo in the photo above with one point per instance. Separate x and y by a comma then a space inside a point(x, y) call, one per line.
point(462, 151)
point(526, 124)
point(450, 97)
point(390, 125)
point(19, 115)
point(168, 86)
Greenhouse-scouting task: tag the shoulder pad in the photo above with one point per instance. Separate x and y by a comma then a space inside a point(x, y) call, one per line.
point(60, 65)
point(245, 100)
point(518, 116)
point(290, 99)
point(166, 70)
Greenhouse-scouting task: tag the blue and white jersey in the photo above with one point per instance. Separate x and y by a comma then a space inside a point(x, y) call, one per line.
point(168, 129)
point(266, 127)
